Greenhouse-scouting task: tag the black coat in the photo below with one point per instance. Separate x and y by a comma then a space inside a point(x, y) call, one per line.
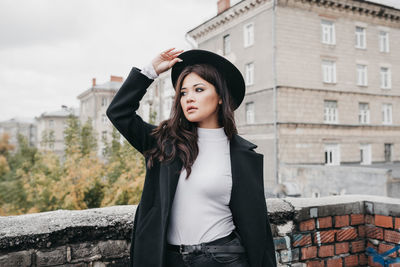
point(248, 206)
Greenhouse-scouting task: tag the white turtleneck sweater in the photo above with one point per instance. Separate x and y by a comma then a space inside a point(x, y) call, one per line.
point(200, 211)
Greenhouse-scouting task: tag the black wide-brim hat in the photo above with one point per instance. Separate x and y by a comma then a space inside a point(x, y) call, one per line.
point(229, 72)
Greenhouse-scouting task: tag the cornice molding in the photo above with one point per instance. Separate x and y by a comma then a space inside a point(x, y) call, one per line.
point(225, 20)
point(356, 6)
point(227, 17)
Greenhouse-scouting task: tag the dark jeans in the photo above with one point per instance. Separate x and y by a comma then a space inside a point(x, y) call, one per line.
point(207, 259)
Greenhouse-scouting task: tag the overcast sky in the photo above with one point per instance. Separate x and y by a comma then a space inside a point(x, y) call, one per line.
point(51, 49)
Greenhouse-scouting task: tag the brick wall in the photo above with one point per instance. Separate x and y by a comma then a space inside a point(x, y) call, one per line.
point(337, 234)
point(329, 231)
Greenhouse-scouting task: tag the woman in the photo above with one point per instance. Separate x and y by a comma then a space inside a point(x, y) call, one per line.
point(203, 198)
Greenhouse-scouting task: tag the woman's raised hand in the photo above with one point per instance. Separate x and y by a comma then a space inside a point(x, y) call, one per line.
point(165, 60)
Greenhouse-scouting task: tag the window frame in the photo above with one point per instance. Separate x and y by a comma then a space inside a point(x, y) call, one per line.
point(249, 73)
point(227, 44)
point(331, 112)
point(328, 27)
point(328, 67)
point(248, 40)
point(360, 37)
point(362, 73)
point(250, 112)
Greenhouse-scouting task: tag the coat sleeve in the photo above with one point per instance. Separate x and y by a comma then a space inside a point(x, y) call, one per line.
point(123, 107)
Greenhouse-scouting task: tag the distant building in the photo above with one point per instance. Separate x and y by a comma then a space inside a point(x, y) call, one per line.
point(320, 77)
point(50, 129)
point(23, 126)
point(93, 105)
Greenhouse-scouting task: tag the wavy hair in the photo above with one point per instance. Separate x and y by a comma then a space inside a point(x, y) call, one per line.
point(177, 136)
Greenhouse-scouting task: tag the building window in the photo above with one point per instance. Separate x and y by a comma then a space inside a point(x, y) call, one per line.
point(250, 73)
point(330, 111)
point(363, 115)
point(384, 41)
point(104, 118)
point(387, 113)
point(332, 154)
point(249, 112)
point(248, 36)
point(227, 44)
point(103, 101)
point(386, 78)
point(51, 146)
point(362, 75)
point(328, 32)
point(329, 71)
point(365, 154)
point(361, 41)
point(51, 123)
point(388, 152)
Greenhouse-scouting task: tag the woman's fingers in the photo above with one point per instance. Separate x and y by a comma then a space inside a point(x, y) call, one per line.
point(170, 49)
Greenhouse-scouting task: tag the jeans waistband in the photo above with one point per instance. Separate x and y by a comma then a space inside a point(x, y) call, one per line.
point(225, 239)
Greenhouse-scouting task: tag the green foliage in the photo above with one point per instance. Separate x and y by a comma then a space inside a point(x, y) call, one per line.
point(34, 180)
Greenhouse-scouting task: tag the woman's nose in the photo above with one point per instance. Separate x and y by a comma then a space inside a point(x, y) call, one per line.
point(190, 97)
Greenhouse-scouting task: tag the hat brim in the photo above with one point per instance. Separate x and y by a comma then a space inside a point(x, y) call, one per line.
point(230, 73)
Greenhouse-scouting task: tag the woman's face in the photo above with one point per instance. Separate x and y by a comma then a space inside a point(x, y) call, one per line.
point(199, 101)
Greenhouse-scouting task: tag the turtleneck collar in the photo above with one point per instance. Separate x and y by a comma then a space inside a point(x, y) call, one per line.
point(211, 133)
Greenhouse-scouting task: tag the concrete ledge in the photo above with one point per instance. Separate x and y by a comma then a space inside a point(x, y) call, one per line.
point(303, 228)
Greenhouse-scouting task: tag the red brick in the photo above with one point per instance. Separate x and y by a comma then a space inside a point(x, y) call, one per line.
point(372, 263)
point(370, 245)
point(384, 247)
point(362, 260)
point(394, 265)
point(315, 264)
point(341, 221)
point(357, 246)
point(308, 252)
point(341, 248)
point(326, 251)
point(397, 223)
point(334, 262)
point(374, 232)
point(369, 219)
point(300, 240)
point(308, 225)
point(392, 236)
point(384, 221)
point(361, 230)
point(325, 222)
point(351, 260)
point(357, 219)
point(346, 234)
point(321, 237)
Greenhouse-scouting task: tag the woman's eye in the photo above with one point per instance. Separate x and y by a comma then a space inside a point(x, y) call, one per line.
point(201, 89)
point(182, 93)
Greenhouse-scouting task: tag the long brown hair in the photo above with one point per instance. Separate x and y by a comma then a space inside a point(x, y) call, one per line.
point(177, 136)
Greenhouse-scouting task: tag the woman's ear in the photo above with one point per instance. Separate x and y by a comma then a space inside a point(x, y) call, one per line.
point(220, 101)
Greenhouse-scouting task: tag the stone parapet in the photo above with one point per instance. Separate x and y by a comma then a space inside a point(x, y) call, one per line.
point(329, 231)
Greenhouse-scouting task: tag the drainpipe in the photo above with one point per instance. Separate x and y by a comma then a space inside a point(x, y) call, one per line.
point(275, 104)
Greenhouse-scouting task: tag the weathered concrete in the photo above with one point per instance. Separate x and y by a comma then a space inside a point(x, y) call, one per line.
point(101, 237)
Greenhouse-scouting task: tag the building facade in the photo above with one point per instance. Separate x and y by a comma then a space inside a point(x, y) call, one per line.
point(93, 105)
point(50, 128)
point(320, 80)
point(15, 126)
